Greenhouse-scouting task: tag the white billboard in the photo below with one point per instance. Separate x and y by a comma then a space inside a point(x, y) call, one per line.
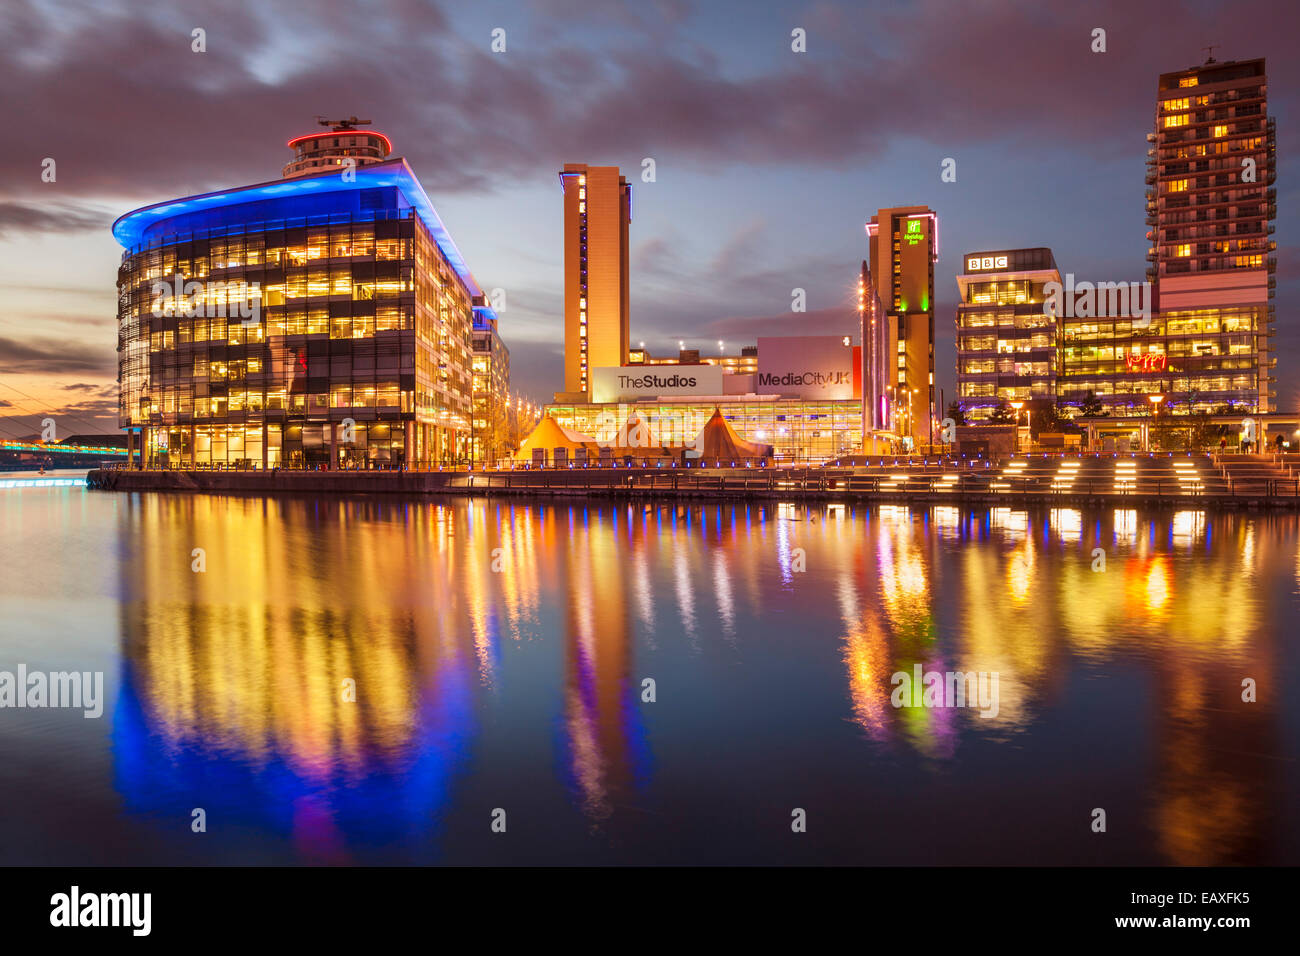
point(627, 383)
point(805, 366)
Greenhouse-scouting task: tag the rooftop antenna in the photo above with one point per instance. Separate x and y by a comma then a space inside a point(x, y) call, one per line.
point(344, 124)
point(1209, 55)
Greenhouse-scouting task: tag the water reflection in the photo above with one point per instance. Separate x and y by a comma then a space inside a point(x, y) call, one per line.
point(498, 655)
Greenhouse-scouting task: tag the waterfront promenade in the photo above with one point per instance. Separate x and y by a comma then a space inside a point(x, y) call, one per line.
point(1227, 481)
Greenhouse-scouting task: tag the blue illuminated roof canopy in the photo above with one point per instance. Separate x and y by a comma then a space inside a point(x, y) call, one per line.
point(130, 229)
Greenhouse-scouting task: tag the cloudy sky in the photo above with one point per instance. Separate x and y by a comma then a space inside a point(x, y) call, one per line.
point(768, 162)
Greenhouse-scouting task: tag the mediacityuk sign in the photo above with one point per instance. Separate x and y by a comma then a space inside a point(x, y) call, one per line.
point(805, 366)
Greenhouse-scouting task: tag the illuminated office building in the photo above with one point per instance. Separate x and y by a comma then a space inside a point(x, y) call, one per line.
point(323, 319)
point(1006, 342)
point(1211, 205)
point(491, 425)
point(743, 363)
point(1115, 362)
point(904, 246)
point(1205, 345)
point(597, 212)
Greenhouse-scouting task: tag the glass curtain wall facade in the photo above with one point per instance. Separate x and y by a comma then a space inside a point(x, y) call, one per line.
point(357, 352)
point(1119, 360)
point(491, 426)
point(1198, 360)
point(1211, 203)
point(1006, 343)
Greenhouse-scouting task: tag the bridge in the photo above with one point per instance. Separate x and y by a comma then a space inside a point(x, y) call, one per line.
point(32, 456)
point(43, 481)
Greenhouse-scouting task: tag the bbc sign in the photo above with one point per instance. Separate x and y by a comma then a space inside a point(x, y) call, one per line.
point(985, 263)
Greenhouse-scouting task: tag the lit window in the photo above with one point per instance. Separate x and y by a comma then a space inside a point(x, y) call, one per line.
point(1188, 81)
point(1183, 250)
point(1220, 131)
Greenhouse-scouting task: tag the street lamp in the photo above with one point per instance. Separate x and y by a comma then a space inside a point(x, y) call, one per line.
point(1155, 401)
point(1017, 406)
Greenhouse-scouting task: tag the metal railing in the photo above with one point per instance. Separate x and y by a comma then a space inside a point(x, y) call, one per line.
point(895, 478)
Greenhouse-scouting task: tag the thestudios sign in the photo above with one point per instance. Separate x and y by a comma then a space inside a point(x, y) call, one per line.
point(628, 383)
point(805, 366)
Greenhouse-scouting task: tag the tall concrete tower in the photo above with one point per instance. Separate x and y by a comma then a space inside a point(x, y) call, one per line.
point(597, 212)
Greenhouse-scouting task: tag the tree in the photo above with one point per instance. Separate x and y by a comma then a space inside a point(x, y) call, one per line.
point(956, 412)
point(1202, 434)
point(1092, 406)
point(1048, 419)
point(1003, 414)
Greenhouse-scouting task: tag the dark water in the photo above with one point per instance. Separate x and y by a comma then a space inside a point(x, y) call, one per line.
point(498, 653)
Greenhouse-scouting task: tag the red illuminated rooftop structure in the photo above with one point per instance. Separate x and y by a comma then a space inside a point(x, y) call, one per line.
point(340, 143)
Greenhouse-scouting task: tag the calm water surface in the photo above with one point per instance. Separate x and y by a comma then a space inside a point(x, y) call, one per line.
point(499, 651)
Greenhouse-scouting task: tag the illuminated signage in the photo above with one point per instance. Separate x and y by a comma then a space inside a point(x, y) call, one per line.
point(980, 263)
point(913, 232)
point(1150, 362)
point(805, 366)
point(629, 383)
